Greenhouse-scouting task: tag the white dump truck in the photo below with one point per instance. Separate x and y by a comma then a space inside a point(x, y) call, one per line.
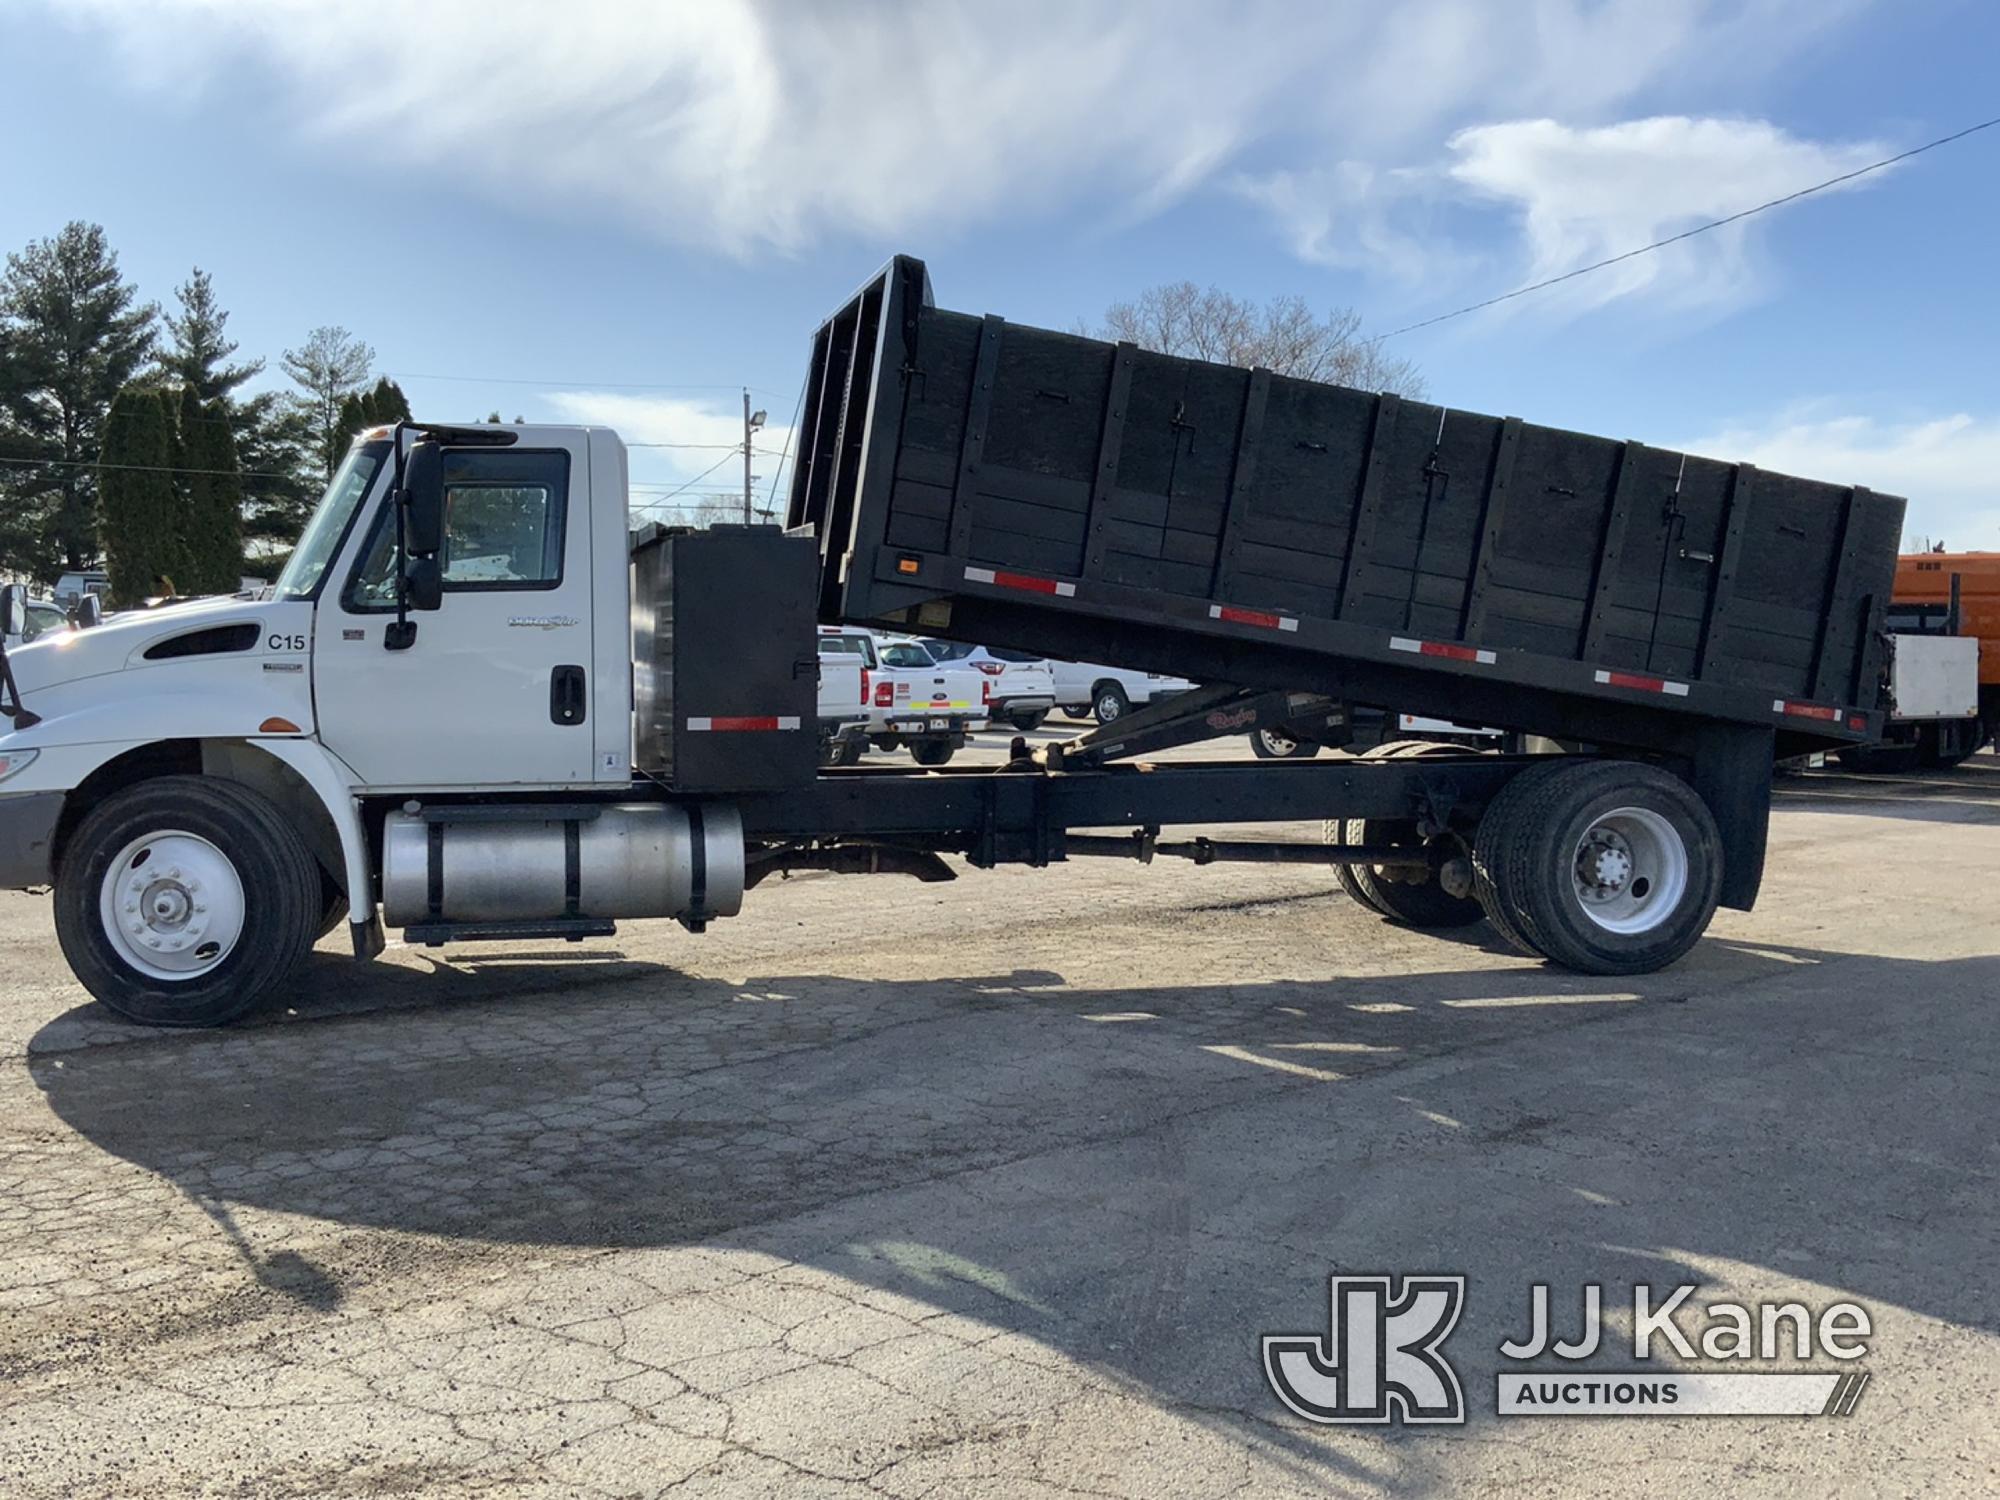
point(476, 707)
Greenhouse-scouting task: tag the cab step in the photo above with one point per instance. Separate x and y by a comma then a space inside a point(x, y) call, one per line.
point(569, 929)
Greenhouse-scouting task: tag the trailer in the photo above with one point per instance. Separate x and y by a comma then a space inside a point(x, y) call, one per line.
point(476, 707)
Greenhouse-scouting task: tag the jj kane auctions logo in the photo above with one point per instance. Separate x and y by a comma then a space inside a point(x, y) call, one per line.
point(1382, 1358)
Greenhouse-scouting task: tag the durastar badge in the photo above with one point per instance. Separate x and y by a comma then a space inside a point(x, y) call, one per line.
point(542, 622)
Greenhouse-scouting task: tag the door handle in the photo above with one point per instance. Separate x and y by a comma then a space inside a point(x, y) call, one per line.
point(566, 695)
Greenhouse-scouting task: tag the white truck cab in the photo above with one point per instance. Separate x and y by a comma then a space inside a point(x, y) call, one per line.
point(314, 697)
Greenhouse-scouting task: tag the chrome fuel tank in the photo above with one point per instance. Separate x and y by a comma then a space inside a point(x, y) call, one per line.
point(525, 863)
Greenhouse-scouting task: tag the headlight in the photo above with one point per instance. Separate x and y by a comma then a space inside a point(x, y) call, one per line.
point(16, 760)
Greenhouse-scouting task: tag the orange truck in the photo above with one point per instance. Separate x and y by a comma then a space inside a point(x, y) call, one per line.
point(1941, 597)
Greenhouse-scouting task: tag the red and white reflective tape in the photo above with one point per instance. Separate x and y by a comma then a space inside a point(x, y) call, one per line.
point(1259, 617)
point(1794, 710)
point(1640, 683)
point(1449, 650)
point(1026, 582)
point(730, 724)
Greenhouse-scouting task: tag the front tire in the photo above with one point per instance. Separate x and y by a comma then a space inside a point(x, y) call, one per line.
point(1108, 703)
point(185, 901)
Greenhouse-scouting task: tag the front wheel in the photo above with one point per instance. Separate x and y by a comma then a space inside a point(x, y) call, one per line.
point(185, 901)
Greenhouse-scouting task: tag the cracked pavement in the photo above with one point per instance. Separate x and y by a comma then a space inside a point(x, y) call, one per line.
point(989, 1190)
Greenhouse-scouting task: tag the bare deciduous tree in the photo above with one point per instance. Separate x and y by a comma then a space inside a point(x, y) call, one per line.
point(1284, 335)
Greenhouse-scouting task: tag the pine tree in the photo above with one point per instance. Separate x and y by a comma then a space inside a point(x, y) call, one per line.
point(378, 406)
point(280, 467)
point(141, 509)
point(211, 513)
point(200, 344)
point(73, 334)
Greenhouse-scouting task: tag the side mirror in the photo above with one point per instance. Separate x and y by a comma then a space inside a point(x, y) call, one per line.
point(423, 581)
point(89, 612)
point(14, 609)
point(423, 501)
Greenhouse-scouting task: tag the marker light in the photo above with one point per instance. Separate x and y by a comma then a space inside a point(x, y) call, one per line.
point(16, 760)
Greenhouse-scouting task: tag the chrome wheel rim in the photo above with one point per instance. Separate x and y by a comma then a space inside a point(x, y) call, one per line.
point(172, 905)
point(1107, 709)
point(1278, 742)
point(1629, 871)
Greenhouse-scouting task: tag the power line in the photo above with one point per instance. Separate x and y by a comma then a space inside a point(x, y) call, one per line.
point(581, 385)
point(791, 437)
point(1688, 234)
point(652, 504)
point(91, 463)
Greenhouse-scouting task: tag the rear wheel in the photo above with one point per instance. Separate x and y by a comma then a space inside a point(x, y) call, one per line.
point(1399, 893)
point(1108, 702)
point(185, 901)
point(1605, 867)
point(1033, 719)
point(1280, 744)
point(931, 752)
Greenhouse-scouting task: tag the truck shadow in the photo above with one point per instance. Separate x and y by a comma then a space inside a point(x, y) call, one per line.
point(1968, 793)
point(1145, 1178)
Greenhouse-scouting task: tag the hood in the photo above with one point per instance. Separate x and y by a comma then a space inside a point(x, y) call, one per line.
point(121, 642)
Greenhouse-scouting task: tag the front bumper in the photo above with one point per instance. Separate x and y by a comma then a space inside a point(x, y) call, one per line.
point(28, 837)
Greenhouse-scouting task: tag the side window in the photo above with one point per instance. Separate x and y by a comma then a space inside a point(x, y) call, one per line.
point(42, 619)
point(505, 523)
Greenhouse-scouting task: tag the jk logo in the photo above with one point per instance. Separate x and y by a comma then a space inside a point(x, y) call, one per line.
point(1380, 1359)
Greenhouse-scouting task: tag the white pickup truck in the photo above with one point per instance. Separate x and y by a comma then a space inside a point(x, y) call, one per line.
point(1092, 690)
point(912, 702)
point(843, 710)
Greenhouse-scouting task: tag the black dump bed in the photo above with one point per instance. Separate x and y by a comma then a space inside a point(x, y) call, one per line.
point(1018, 487)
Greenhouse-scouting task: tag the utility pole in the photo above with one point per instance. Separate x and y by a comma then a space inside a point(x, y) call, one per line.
point(751, 422)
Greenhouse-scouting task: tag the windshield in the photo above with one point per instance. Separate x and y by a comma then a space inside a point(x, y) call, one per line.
point(328, 526)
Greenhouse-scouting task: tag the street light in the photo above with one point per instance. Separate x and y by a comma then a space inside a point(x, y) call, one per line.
point(752, 421)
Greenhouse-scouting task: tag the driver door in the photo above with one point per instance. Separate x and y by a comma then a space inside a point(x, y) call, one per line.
point(494, 691)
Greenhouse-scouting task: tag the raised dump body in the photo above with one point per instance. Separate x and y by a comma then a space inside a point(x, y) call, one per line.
point(1019, 487)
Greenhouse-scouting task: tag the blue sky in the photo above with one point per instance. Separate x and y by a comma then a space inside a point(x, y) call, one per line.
point(571, 209)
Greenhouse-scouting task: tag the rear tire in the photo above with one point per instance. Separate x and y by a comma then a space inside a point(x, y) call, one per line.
point(1108, 703)
point(1606, 867)
point(931, 752)
point(1029, 721)
point(185, 901)
point(1280, 744)
point(1415, 904)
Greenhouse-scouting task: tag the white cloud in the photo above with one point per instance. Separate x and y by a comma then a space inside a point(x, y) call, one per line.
point(750, 126)
point(1948, 467)
point(1584, 195)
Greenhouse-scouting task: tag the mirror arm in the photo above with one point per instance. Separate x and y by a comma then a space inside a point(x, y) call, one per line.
point(403, 634)
point(11, 707)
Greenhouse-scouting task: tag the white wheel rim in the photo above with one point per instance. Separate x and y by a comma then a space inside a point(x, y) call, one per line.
point(1629, 870)
point(172, 905)
point(1107, 709)
point(1278, 742)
